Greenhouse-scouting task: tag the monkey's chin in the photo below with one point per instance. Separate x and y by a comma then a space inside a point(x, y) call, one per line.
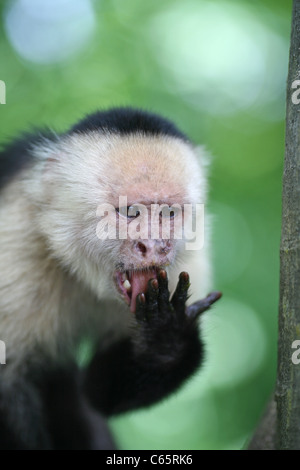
point(133, 282)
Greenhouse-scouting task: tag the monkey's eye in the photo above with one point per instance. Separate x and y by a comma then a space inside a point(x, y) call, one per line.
point(130, 212)
point(169, 212)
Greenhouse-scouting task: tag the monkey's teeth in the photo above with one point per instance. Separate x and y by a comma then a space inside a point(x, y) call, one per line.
point(124, 276)
point(127, 285)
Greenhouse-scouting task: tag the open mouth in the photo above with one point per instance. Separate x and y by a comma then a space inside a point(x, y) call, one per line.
point(133, 282)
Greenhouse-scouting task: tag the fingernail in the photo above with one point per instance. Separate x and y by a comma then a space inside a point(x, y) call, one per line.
point(184, 276)
point(163, 274)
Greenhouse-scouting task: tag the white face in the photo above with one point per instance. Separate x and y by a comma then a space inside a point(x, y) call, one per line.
point(83, 172)
point(149, 246)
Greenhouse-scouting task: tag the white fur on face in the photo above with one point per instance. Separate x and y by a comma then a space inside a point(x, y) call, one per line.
point(55, 274)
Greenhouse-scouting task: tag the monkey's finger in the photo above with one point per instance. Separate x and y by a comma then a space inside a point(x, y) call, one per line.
point(141, 307)
point(152, 296)
point(164, 294)
point(202, 305)
point(181, 293)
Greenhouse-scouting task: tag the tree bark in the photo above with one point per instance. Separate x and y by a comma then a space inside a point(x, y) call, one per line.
point(280, 426)
point(288, 376)
point(265, 435)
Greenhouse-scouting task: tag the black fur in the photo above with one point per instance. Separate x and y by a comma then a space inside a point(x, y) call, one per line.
point(45, 409)
point(164, 351)
point(128, 121)
point(71, 421)
point(18, 154)
point(56, 407)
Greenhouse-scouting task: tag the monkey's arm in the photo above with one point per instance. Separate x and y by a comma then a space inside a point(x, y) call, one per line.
point(164, 351)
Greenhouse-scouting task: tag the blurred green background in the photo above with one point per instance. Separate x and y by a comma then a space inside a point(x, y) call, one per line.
point(218, 69)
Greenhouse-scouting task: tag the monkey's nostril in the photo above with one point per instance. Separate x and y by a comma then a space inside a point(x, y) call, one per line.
point(141, 247)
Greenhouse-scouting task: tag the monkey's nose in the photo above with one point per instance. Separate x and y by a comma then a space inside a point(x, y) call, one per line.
point(153, 248)
point(141, 248)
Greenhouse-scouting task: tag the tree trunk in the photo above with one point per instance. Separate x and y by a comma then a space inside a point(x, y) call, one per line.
point(280, 426)
point(288, 377)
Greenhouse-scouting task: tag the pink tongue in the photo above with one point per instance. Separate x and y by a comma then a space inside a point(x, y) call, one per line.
point(139, 281)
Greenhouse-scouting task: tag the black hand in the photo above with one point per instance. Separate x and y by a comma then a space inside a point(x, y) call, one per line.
point(156, 305)
point(164, 350)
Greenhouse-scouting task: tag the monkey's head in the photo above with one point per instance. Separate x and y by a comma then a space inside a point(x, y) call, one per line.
point(115, 199)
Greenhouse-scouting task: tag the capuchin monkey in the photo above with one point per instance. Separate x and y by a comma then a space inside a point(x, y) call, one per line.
point(65, 281)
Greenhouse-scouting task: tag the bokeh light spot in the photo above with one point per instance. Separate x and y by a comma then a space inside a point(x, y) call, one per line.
point(219, 55)
point(232, 242)
point(48, 31)
point(236, 343)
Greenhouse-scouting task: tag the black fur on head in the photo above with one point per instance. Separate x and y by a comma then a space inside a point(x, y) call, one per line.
point(128, 121)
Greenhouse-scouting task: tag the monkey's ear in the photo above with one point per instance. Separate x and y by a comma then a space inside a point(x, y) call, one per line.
point(54, 158)
point(50, 164)
point(47, 151)
point(50, 154)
